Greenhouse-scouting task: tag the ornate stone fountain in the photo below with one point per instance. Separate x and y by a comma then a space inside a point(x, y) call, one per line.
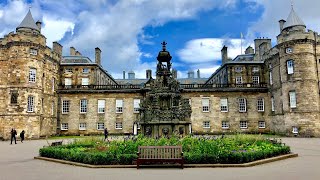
point(164, 112)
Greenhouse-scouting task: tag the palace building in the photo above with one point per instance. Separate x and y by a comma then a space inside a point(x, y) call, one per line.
point(266, 90)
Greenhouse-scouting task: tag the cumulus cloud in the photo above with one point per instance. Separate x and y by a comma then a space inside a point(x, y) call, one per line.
point(209, 49)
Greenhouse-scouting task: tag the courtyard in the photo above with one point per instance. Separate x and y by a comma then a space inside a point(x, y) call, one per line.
point(17, 162)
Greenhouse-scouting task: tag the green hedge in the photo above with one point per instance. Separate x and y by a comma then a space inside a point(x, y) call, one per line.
point(197, 150)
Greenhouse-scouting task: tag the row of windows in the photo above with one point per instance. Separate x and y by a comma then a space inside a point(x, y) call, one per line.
point(101, 106)
point(255, 80)
point(68, 81)
point(242, 124)
point(239, 69)
point(242, 102)
point(83, 126)
point(70, 70)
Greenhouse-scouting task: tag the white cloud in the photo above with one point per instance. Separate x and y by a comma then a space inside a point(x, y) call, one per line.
point(209, 49)
point(55, 29)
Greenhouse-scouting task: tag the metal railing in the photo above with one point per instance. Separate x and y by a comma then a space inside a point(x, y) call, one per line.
point(210, 86)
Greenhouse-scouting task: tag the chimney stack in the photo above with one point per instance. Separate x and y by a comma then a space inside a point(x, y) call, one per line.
point(198, 73)
point(98, 56)
point(224, 54)
point(249, 50)
point(78, 53)
point(148, 74)
point(72, 51)
point(124, 74)
point(191, 74)
point(57, 48)
point(281, 23)
point(38, 23)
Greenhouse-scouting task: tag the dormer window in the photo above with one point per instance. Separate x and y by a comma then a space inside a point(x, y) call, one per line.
point(33, 52)
point(68, 70)
point(289, 50)
point(238, 69)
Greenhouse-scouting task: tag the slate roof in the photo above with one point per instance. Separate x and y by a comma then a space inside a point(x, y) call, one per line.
point(293, 20)
point(76, 60)
point(28, 22)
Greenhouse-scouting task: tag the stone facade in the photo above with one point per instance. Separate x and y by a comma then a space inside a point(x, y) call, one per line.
point(279, 88)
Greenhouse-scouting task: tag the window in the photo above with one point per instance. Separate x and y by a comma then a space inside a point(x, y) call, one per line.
point(64, 126)
point(239, 81)
point(290, 66)
point(14, 97)
point(118, 125)
point(85, 82)
point(224, 105)
point(119, 105)
point(206, 124)
point(225, 125)
point(289, 50)
point(272, 104)
point(68, 70)
point(65, 106)
point(205, 104)
point(85, 70)
point(262, 124)
point(255, 69)
point(83, 106)
point(243, 124)
point(52, 108)
point(53, 84)
point(293, 100)
point(100, 126)
point(67, 81)
point(33, 51)
point(270, 74)
point(82, 126)
point(101, 106)
point(238, 69)
point(136, 105)
point(30, 107)
point(242, 105)
point(32, 75)
point(255, 80)
point(260, 104)
point(295, 130)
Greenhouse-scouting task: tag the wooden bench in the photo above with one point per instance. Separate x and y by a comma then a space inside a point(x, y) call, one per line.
point(160, 154)
point(57, 143)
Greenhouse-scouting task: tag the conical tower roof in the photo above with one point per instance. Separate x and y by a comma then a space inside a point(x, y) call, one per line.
point(28, 22)
point(293, 20)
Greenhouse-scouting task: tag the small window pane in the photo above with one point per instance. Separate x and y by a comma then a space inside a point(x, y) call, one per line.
point(118, 125)
point(206, 124)
point(101, 106)
point(64, 126)
point(100, 126)
point(83, 105)
point(65, 106)
point(243, 124)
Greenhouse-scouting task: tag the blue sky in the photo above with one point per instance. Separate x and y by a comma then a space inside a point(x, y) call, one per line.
point(129, 32)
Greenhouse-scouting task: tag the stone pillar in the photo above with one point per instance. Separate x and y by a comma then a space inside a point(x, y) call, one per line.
point(98, 56)
point(72, 51)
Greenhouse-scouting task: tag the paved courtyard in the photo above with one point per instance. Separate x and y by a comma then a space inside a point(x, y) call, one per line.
point(16, 162)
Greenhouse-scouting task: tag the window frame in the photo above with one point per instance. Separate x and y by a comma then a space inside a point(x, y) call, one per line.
point(292, 99)
point(261, 124)
point(225, 125)
point(82, 128)
point(119, 109)
point(65, 108)
point(68, 81)
point(83, 107)
point(64, 126)
point(242, 105)
point(206, 124)
point(205, 106)
point(99, 127)
point(272, 104)
point(255, 80)
point(243, 123)
point(84, 81)
point(260, 104)
point(224, 105)
point(295, 130)
point(33, 51)
point(32, 75)
point(290, 66)
point(30, 104)
point(14, 97)
point(238, 69)
point(101, 106)
point(85, 70)
point(136, 105)
point(119, 125)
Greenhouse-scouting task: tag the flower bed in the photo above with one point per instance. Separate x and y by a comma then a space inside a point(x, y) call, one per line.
point(197, 150)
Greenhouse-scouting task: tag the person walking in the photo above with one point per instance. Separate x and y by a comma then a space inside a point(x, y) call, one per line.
point(105, 133)
point(22, 136)
point(13, 135)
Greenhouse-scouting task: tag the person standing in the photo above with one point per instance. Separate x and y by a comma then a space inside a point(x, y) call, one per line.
point(22, 136)
point(105, 133)
point(13, 135)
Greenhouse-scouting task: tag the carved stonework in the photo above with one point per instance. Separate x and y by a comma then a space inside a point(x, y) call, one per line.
point(163, 103)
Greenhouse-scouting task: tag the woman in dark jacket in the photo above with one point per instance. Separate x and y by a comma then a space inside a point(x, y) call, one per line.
point(22, 135)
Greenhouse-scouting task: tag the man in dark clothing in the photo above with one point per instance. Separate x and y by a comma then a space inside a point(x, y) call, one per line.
point(13, 135)
point(105, 133)
point(22, 135)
